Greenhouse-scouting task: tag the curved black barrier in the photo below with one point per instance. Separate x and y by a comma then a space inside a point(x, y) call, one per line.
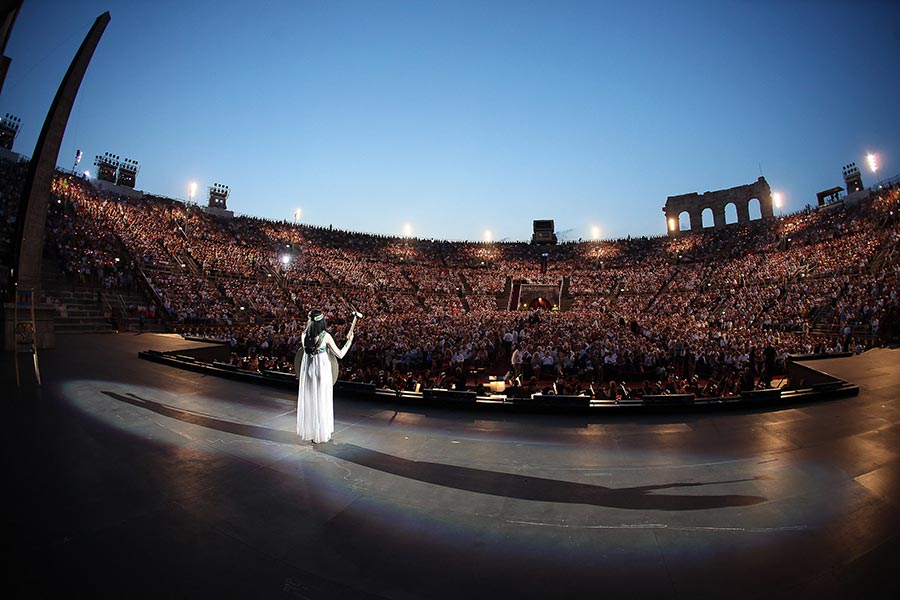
point(458, 396)
point(353, 387)
point(668, 399)
point(826, 386)
point(804, 384)
point(281, 375)
point(553, 401)
point(762, 395)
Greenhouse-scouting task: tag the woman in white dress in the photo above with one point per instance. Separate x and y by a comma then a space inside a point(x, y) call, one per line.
point(315, 403)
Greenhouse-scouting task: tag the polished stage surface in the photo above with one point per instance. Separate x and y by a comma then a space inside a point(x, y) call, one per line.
point(133, 479)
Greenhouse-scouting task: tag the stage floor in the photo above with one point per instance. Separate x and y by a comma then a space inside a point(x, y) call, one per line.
point(132, 479)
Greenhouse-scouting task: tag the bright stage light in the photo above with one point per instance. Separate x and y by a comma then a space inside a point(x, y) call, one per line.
point(407, 230)
point(872, 159)
point(285, 260)
point(487, 235)
point(595, 233)
point(672, 223)
point(297, 214)
point(192, 190)
point(776, 199)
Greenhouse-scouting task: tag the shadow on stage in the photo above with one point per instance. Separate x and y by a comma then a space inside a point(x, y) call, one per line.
point(480, 481)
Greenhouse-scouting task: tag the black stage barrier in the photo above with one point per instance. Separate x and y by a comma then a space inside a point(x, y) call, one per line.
point(353, 387)
point(766, 395)
point(656, 400)
point(460, 396)
point(560, 401)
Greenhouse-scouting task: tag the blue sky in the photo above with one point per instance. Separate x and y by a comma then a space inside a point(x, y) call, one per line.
point(457, 117)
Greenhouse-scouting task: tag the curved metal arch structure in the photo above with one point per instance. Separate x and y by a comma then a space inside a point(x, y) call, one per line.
point(36, 197)
point(32, 218)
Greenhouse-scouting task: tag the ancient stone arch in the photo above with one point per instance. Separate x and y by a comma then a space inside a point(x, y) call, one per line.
point(532, 292)
point(694, 204)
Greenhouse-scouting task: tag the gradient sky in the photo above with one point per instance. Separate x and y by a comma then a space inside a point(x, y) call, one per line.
point(462, 116)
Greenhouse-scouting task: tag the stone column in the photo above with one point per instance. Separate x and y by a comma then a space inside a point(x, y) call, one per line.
point(765, 207)
point(743, 210)
point(696, 220)
point(719, 216)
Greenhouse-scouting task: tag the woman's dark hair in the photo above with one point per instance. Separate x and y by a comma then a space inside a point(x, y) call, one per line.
point(315, 326)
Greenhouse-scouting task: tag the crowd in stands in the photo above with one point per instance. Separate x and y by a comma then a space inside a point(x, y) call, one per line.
point(709, 312)
point(12, 183)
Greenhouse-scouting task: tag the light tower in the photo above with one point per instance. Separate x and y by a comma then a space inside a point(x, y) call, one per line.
point(218, 196)
point(107, 165)
point(852, 178)
point(128, 170)
point(9, 129)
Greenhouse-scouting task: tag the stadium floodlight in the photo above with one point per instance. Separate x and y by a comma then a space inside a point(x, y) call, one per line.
point(777, 201)
point(872, 159)
point(595, 233)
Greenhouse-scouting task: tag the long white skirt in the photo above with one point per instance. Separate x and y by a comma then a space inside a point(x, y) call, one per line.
point(315, 400)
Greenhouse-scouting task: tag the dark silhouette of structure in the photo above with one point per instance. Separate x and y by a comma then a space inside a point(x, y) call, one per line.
point(36, 196)
point(694, 204)
point(8, 16)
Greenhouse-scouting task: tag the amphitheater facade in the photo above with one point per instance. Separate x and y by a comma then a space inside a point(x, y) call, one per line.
point(694, 204)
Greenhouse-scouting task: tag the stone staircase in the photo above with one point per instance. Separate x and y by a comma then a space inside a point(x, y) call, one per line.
point(514, 294)
point(78, 311)
point(118, 301)
point(86, 308)
point(78, 308)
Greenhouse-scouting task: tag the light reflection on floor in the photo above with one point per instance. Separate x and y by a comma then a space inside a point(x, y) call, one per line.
point(388, 500)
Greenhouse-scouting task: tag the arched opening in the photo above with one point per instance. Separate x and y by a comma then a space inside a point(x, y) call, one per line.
point(540, 303)
point(707, 218)
point(730, 213)
point(684, 221)
point(754, 209)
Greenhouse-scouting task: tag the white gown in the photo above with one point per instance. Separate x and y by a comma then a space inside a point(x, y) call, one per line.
point(315, 399)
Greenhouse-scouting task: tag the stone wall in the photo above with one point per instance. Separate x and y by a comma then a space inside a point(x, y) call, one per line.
point(694, 204)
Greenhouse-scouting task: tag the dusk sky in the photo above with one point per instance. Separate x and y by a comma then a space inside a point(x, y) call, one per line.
point(464, 116)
